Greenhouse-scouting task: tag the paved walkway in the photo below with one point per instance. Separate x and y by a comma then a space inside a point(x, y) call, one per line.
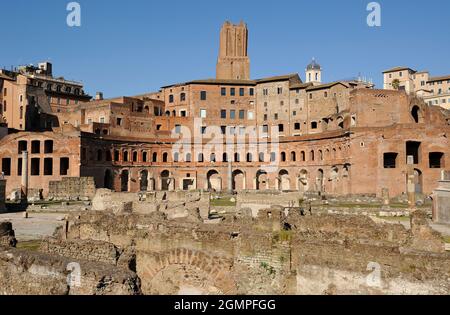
point(37, 226)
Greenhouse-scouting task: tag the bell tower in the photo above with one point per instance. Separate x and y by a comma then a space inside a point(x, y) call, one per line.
point(233, 62)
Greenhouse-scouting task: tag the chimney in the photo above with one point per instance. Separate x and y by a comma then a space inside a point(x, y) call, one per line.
point(98, 96)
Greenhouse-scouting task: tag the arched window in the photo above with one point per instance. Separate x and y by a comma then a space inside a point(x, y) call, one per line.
point(200, 157)
point(21, 112)
point(261, 157)
point(99, 155)
point(135, 156)
point(212, 157)
point(237, 157)
point(249, 157)
point(144, 156)
point(165, 157)
point(225, 157)
point(176, 156)
point(116, 155)
point(293, 156)
point(273, 157)
point(125, 156)
point(108, 156)
point(188, 157)
point(312, 155)
point(303, 154)
point(283, 156)
point(320, 155)
point(155, 157)
point(415, 112)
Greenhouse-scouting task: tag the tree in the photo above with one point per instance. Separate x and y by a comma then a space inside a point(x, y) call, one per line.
point(396, 84)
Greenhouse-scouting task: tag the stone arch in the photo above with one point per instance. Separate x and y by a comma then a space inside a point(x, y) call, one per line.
point(143, 180)
point(320, 178)
point(262, 180)
point(124, 179)
point(334, 178)
point(303, 181)
point(217, 269)
point(416, 114)
point(213, 180)
point(165, 180)
point(284, 180)
point(108, 179)
point(238, 181)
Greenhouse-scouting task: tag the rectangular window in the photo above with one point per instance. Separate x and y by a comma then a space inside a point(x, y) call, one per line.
point(265, 117)
point(118, 122)
point(6, 166)
point(314, 125)
point(35, 146)
point(19, 167)
point(223, 91)
point(203, 95)
point(23, 146)
point(64, 166)
point(48, 166)
point(203, 130)
point(202, 113)
point(390, 160)
point(280, 90)
point(232, 91)
point(250, 115)
point(170, 98)
point(413, 149)
point(275, 116)
point(241, 92)
point(223, 129)
point(232, 114)
point(436, 160)
point(183, 113)
point(242, 114)
point(48, 146)
point(281, 128)
point(265, 128)
point(297, 126)
point(35, 166)
point(223, 113)
point(252, 91)
point(5, 92)
point(294, 113)
point(177, 129)
point(102, 120)
point(182, 97)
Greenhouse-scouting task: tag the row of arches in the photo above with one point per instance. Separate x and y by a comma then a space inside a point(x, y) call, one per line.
point(240, 179)
point(290, 156)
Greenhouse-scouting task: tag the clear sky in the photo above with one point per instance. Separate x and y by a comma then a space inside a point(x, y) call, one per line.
point(136, 46)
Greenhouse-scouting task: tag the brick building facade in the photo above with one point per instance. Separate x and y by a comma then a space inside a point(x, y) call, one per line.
point(234, 133)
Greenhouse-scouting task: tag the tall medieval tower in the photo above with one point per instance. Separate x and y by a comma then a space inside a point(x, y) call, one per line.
point(233, 62)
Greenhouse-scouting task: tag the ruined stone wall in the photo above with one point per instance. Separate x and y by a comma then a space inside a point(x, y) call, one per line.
point(33, 273)
point(82, 250)
point(272, 253)
point(72, 188)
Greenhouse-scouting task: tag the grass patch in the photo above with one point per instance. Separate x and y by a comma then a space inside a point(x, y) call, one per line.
point(29, 245)
point(395, 219)
point(447, 239)
point(222, 202)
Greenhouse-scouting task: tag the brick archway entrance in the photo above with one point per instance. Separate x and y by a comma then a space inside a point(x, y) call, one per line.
point(215, 269)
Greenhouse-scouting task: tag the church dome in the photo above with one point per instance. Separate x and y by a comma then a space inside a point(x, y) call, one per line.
point(313, 66)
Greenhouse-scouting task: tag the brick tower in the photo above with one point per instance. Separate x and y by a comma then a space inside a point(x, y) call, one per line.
point(233, 62)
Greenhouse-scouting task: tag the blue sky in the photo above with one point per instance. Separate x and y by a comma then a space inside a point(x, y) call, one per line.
point(135, 46)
